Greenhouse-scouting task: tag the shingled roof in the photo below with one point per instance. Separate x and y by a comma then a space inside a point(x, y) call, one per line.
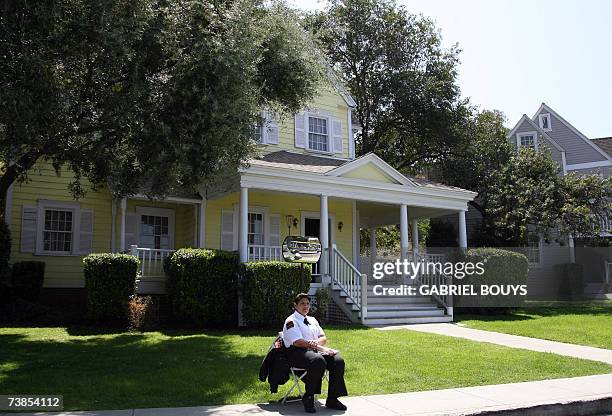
point(319, 164)
point(605, 144)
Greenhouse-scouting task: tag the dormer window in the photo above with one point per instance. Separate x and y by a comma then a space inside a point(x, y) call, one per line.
point(545, 122)
point(318, 134)
point(528, 139)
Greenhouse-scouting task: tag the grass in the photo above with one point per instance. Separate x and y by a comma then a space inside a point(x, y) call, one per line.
point(106, 370)
point(582, 323)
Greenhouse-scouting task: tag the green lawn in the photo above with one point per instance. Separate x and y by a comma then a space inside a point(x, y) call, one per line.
point(583, 323)
point(97, 370)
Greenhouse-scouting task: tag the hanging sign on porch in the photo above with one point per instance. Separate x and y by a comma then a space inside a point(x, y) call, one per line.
point(298, 249)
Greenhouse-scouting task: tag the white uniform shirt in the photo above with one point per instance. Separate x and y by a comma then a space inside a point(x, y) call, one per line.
point(295, 329)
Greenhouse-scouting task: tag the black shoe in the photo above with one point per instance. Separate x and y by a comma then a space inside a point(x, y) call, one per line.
point(334, 404)
point(308, 402)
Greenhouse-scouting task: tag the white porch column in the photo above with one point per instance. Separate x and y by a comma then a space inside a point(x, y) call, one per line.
point(202, 225)
point(415, 237)
point(572, 250)
point(404, 231)
point(122, 236)
point(243, 243)
point(324, 237)
point(462, 230)
point(373, 248)
point(114, 225)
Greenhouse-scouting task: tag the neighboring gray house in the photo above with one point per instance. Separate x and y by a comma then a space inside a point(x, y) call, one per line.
point(575, 153)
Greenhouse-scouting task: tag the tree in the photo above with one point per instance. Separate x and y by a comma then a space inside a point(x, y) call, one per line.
point(478, 157)
point(404, 82)
point(144, 95)
point(529, 195)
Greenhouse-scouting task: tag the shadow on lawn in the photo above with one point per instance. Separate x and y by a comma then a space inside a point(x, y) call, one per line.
point(128, 370)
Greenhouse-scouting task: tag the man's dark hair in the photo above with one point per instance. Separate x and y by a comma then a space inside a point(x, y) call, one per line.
point(299, 297)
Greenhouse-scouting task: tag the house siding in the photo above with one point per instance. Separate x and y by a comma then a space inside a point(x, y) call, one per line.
point(329, 101)
point(577, 150)
point(45, 184)
point(524, 127)
point(602, 170)
point(283, 204)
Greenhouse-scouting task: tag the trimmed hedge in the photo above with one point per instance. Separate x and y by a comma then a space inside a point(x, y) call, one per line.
point(109, 283)
point(202, 286)
point(27, 279)
point(268, 289)
point(571, 281)
point(501, 267)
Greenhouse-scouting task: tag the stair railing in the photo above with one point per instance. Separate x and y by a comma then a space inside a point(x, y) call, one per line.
point(435, 279)
point(349, 280)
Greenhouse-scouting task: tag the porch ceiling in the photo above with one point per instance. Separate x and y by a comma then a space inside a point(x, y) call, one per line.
point(378, 215)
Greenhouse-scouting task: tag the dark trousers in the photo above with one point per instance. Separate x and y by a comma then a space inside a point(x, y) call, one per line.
point(315, 364)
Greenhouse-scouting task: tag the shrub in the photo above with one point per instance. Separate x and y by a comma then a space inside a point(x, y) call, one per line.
point(268, 289)
point(571, 286)
point(137, 310)
point(109, 282)
point(5, 252)
point(501, 267)
point(27, 279)
point(441, 234)
point(202, 286)
point(321, 303)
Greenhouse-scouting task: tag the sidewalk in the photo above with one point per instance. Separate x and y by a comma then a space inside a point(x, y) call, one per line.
point(567, 396)
point(514, 341)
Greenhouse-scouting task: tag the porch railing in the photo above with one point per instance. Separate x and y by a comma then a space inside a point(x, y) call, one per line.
point(151, 261)
point(350, 280)
point(431, 276)
point(263, 253)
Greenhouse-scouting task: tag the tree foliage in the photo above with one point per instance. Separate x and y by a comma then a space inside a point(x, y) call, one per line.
point(403, 80)
point(145, 95)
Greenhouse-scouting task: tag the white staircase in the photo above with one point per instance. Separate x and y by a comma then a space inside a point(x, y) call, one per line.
point(363, 305)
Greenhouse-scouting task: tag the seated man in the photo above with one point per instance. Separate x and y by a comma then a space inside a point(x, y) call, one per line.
point(305, 343)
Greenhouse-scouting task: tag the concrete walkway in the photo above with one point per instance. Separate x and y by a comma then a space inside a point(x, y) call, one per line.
point(514, 341)
point(568, 396)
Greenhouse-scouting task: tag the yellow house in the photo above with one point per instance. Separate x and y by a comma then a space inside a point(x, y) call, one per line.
point(306, 181)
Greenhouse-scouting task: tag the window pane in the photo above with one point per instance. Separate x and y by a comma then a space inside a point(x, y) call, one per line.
point(57, 231)
point(317, 134)
point(154, 232)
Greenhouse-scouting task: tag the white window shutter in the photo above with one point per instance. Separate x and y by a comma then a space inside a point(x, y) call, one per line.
point(130, 229)
point(270, 130)
point(227, 230)
point(28, 229)
point(300, 130)
point(86, 222)
point(337, 135)
point(274, 238)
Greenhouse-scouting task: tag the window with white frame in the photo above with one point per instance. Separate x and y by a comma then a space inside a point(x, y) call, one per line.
point(58, 230)
point(257, 133)
point(527, 140)
point(318, 134)
point(533, 251)
point(545, 122)
point(155, 232)
point(256, 228)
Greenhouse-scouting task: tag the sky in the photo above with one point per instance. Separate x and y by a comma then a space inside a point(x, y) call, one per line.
point(517, 54)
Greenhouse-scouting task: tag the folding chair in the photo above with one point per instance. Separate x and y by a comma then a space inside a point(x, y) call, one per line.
point(297, 374)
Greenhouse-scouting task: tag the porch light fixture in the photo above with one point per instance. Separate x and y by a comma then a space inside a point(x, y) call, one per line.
point(340, 225)
point(291, 221)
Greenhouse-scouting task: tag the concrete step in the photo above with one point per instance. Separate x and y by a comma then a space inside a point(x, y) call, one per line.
point(405, 314)
point(406, 300)
point(397, 307)
point(405, 321)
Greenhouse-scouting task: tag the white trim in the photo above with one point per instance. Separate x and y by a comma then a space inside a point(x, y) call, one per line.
point(564, 162)
point(73, 207)
point(284, 180)
point(157, 212)
point(537, 128)
point(376, 161)
point(574, 129)
point(8, 206)
point(543, 116)
point(123, 224)
point(330, 140)
point(351, 137)
point(589, 165)
point(169, 199)
point(356, 234)
point(519, 136)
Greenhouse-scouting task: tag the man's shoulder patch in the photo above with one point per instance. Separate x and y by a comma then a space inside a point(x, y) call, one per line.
point(289, 324)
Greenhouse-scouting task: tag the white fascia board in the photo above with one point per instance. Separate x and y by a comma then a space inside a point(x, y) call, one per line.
point(574, 129)
point(376, 161)
point(589, 165)
point(353, 189)
point(516, 126)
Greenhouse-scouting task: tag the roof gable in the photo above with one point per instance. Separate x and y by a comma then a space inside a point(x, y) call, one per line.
point(526, 120)
point(372, 168)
